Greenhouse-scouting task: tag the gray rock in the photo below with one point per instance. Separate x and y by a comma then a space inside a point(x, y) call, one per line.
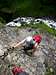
point(33, 65)
point(1, 52)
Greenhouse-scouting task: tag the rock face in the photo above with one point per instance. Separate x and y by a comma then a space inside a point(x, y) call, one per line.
point(34, 65)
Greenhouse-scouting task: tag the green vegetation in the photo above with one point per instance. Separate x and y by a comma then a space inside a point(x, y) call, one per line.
point(1, 25)
point(43, 28)
point(50, 71)
point(2, 22)
point(14, 8)
point(10, 9)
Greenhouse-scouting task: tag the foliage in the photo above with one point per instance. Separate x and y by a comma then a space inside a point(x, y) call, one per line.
point(50, 71)
point(27, 8)
point(2, 20)
point(43, 28)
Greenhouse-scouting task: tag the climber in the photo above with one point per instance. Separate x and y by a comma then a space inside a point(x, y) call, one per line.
point(30, 43)
point(19, 71)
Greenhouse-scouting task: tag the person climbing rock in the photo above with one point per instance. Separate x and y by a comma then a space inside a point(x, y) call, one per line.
point(19, 71)
point(30, 43)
